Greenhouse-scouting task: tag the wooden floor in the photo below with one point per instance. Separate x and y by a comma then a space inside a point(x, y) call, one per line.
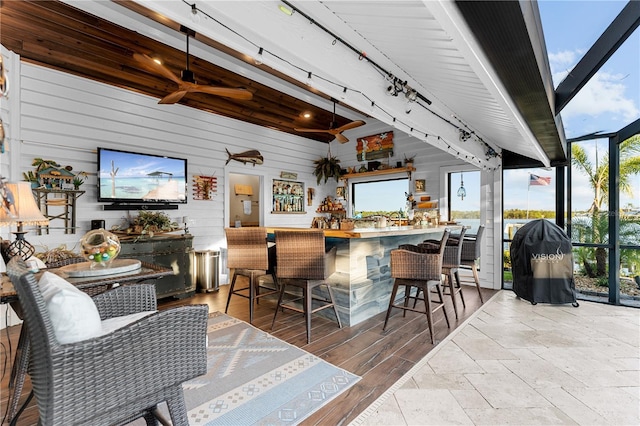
point(379, 357)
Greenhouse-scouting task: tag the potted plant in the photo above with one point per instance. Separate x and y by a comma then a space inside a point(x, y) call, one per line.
point(78, 180)
point(327, 167)
point(408, 161)
point(150, 223)
point(30, 176)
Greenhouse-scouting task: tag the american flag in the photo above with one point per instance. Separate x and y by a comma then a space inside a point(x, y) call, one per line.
point(539, 180)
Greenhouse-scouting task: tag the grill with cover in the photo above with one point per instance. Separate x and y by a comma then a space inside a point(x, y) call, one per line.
point(542, 264)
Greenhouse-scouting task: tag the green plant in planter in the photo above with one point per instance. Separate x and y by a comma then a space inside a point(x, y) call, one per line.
point(408, 160)
point(327, 167)
point(77, 182)
point(150, 223)
point(30, 176)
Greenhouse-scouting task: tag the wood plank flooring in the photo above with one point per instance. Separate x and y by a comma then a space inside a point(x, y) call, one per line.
point(379, 357)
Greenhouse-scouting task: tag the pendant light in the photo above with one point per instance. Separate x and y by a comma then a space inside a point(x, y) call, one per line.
point(461, 191)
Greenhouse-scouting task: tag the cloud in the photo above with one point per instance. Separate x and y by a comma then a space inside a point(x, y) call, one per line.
point(603, 94)
point(564, 61)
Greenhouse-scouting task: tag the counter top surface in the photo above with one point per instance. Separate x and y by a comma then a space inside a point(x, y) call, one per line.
point(389, 231)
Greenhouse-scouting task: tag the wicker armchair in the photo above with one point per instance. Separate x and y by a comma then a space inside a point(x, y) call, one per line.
point(117, 377)
point(451, 262)
point(412, 267)
point(303, 263)
point(249, 256)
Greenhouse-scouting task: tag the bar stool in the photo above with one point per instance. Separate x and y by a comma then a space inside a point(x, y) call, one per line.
point(248, 256)
point(303, 263)
point(471, 246)
point(451, 262)
point(411, 267)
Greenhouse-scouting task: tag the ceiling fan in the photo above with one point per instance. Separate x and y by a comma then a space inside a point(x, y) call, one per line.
point(333, 130)
point(187, 84)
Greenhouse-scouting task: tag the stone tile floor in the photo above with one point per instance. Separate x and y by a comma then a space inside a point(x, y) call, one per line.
point(515, 363)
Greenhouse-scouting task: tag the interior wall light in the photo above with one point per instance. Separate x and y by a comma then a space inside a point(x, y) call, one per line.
point(259, 59)
point(19, 209)
point(284, 9)
point(407, 107)
point(195, 17)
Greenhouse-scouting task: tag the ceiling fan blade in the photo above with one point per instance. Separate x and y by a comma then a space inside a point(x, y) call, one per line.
point(227, 92)
point(152, 65)
point(351, 125)
point(312, 130)
point(174, 97)
point(341, 138)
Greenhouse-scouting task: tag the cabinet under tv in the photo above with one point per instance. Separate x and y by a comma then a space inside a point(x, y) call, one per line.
point(126, 206)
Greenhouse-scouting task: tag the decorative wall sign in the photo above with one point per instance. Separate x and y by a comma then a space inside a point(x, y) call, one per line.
point(288, 175)
point(420, 185)
point(375, 146)
point(204, 187)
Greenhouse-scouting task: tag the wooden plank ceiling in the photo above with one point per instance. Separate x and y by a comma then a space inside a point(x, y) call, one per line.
point(58, 36)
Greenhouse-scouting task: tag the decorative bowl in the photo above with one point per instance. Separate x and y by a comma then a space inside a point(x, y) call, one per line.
point(100, 247)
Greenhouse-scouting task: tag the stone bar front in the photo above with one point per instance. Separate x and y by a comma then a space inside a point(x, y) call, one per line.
point(362, 282)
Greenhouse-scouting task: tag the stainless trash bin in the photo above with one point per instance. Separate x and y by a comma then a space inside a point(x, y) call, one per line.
point(207, 270)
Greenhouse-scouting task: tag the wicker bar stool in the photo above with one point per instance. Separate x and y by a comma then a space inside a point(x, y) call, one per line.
point(248, 256)
point(411, 267)
point(451, 262)
point(303, 263)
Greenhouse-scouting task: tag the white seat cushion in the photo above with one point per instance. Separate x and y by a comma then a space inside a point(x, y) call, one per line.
point(73, 314)
point(112, 324)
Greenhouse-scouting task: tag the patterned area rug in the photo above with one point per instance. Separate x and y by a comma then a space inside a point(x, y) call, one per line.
point(255, 378)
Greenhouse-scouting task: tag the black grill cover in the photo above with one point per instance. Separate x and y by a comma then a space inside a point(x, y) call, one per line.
point(542, 263)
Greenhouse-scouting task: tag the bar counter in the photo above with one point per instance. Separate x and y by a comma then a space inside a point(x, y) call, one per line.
point(362, 282)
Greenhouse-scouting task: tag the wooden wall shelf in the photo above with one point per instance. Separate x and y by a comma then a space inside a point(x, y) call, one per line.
point(397, 170)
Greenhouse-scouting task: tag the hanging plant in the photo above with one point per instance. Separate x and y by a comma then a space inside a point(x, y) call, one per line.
point(327, 167)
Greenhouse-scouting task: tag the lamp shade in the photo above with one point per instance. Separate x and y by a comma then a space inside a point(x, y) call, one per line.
point(24, 210)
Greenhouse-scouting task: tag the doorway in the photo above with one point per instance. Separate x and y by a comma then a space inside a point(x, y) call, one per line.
point(244, 200)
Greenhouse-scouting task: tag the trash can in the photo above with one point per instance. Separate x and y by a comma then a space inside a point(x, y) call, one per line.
point(206, 265)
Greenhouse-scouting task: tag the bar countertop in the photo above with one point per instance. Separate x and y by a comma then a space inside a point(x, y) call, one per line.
point(373, 232)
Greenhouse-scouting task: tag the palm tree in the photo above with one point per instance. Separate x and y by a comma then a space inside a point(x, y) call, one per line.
point(598, 175)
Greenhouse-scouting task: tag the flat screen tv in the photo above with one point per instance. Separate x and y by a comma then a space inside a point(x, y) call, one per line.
point(134, 177)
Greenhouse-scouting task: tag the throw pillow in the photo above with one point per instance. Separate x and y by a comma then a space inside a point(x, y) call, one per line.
point(73, 314)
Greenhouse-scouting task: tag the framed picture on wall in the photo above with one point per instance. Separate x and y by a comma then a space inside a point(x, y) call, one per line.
point(420, 185)
point(288, 196)
point(341, 192)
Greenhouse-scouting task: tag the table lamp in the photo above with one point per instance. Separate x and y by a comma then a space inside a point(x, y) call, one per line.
point(23, 211)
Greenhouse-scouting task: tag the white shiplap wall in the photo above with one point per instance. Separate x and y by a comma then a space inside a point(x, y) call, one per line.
point(64, 118)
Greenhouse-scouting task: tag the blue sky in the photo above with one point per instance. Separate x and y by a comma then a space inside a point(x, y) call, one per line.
point(608, 102)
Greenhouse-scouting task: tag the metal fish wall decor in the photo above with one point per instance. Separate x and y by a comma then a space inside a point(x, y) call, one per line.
point(252, 156)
